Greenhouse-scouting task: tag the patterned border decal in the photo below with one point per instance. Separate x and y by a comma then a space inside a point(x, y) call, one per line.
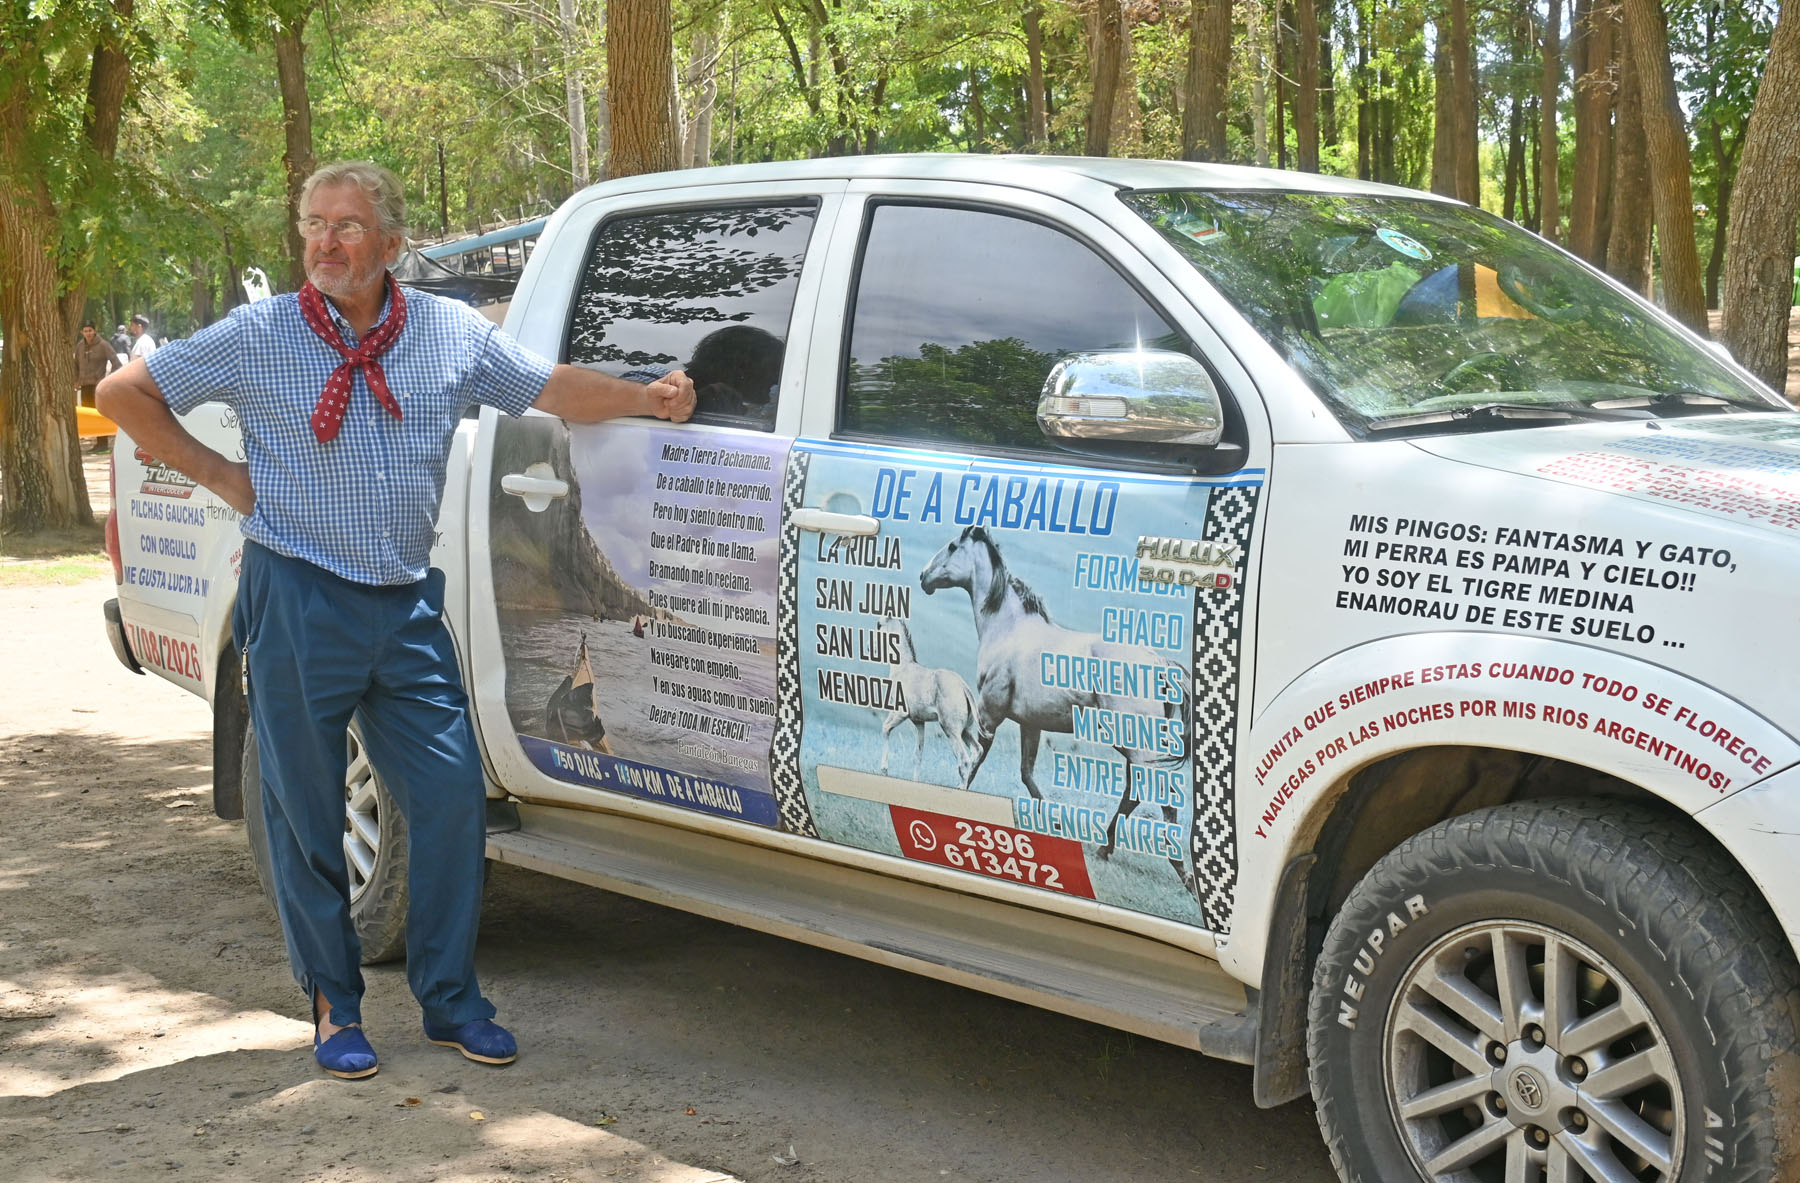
point(784, 749)
point(1218, 654)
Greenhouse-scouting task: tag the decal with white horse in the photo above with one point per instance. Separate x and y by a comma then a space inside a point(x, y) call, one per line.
point(1044, 677)
point(1039, 626)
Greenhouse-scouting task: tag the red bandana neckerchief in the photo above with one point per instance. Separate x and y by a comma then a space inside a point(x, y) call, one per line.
point(328, 416)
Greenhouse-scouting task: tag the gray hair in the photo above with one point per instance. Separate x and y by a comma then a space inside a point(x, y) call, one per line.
point(382, 188)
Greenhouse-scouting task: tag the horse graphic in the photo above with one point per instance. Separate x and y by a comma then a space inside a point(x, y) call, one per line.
point(569, 716)
point(931, 695)
point(1015, 633)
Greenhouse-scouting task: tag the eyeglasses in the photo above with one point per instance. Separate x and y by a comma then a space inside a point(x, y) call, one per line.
point(349, 233)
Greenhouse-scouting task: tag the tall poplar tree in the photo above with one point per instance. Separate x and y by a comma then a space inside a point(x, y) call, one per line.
point(1666, 150)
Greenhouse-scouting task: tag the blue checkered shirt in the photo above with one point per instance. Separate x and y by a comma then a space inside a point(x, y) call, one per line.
point(365, 505)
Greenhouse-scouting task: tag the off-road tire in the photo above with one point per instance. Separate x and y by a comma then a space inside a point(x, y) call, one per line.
point(1648, 893)
point(379, 910)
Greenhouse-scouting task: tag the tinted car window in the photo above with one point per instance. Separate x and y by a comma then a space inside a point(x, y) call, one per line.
point(709, 291)
point(960, 315)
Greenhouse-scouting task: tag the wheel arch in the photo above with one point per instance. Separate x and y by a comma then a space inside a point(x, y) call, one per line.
point(1324, 830)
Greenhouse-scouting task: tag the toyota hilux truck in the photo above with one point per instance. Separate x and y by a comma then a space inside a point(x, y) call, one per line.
point(1315, 623)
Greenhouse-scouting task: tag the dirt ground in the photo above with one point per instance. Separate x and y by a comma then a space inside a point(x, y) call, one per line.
point(149, 1028)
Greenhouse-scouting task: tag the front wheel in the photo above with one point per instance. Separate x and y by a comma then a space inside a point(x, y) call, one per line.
point(1556, 992)
point(375, 848)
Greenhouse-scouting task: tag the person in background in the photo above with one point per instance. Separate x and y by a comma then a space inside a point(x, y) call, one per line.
point(94, 360)
point(121, 343)
point(143, 344)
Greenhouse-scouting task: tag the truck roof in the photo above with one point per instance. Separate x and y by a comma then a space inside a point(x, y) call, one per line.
point(1029, 172)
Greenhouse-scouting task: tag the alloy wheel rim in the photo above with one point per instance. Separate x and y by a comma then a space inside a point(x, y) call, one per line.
point(362, 819)
point(1517, 1054)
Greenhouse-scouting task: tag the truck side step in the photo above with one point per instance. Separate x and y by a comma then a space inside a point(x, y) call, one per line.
point(1069, 966)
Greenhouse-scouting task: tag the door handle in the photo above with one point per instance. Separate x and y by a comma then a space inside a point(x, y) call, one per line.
point(538, 485)
point(825, 522)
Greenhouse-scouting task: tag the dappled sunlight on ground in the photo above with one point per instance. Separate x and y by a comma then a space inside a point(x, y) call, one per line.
point(104, 1027)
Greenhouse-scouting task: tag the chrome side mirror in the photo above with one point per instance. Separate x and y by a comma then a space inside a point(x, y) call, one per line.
point(1152, 397)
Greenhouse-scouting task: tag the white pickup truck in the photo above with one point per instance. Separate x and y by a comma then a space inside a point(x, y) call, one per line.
point(1314, 623)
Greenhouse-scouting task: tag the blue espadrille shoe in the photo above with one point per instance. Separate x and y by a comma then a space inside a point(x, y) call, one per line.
point(346, 1054)
point(482, 1040)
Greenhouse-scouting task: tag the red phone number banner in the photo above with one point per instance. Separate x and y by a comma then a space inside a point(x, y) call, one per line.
point(999, 852)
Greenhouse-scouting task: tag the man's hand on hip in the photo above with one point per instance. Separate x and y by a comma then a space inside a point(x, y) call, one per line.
point(233, 486)
point(132, 399)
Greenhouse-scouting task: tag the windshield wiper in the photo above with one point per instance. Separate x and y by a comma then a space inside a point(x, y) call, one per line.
point(1487, 415)
point(1671, 403)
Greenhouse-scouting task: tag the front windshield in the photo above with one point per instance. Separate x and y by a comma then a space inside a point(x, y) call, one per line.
point(1410, 313)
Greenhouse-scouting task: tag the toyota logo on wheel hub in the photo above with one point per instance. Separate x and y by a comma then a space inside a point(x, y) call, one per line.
point(1527, 1089)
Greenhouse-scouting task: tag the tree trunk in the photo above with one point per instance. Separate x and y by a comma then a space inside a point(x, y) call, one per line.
point(232, 292)
point(1365, 103)
point(1208, 74)
point(703, 82)
point(1306, 85)
point(1666, 145)
point(43, 291)
point(297, 159)
point(1462, 105)
point(41, 485)
point(1037, 126)
point(1444, 126)
point(1533, 125)
point(1515, 157)
point(1628, 244)
point(1715, 258)
point(1328, 124)
point(1282, 58)
point(1759, 280)
point(977, 112)
point(1549, 199)
point(677, 119)
point(575, 94)
point(1106, 37)
point(1608, 103)
point(1128, 112)
point(639, 49)
point(1593, 59)
point(1259, 90)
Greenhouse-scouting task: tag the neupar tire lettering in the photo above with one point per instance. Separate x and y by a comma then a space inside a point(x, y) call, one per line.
point(1644, 919)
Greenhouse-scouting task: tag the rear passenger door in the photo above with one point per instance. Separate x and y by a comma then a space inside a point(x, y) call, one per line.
point(630, 566)
point(989, 685)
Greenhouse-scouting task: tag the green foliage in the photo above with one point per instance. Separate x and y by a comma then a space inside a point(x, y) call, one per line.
point(484, 80)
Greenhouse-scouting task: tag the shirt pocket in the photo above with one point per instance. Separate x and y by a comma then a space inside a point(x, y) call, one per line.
point(427, 421)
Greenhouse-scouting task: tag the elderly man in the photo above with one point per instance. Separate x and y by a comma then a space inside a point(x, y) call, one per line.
point(348, 394)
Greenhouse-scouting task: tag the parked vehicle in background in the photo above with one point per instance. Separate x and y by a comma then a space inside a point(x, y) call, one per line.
point(1335, 630)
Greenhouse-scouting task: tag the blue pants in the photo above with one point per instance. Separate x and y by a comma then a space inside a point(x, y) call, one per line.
point(321, 649)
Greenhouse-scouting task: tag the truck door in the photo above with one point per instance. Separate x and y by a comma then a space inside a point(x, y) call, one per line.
point(623, 575)
point(991, 679)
